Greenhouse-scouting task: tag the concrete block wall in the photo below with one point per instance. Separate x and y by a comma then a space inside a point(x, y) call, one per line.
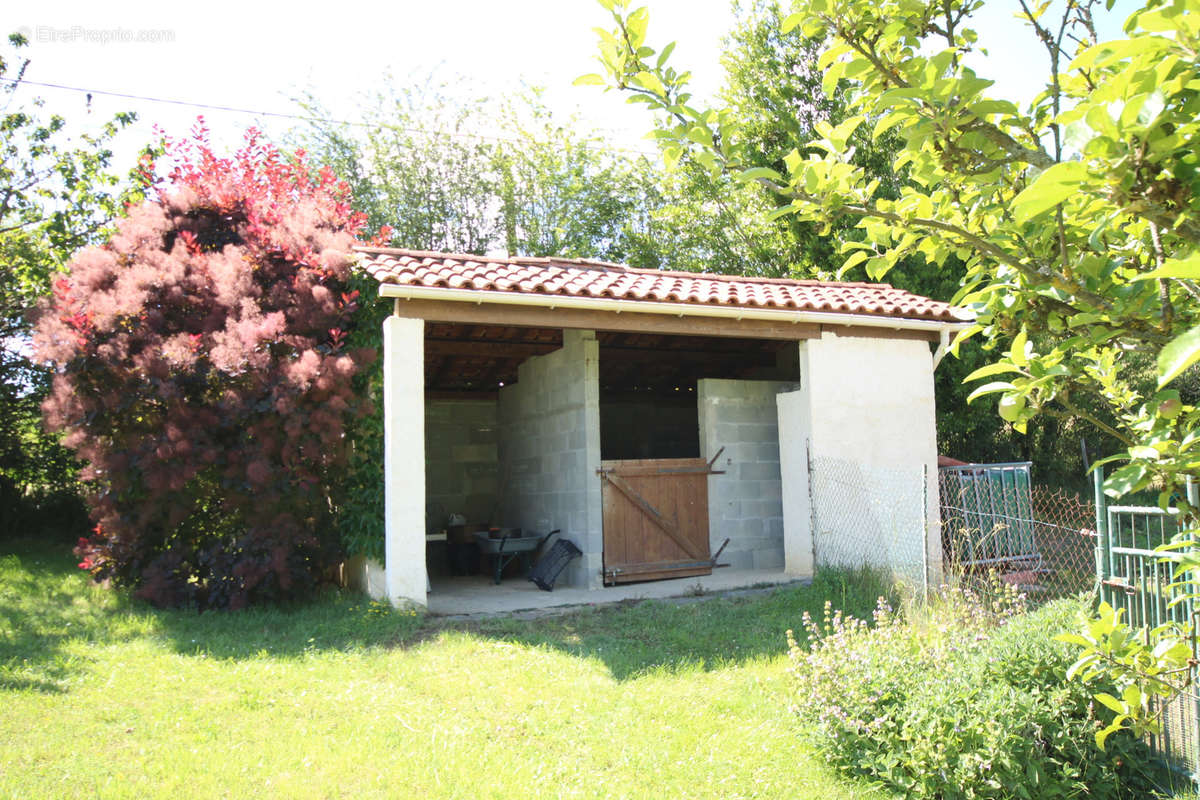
point(462, 463)
point(549, 451)
point(746, 503)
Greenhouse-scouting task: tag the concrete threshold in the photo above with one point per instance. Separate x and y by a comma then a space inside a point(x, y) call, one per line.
point(477, 596)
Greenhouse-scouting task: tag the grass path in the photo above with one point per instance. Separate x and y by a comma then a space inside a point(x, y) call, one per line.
point(106, 698)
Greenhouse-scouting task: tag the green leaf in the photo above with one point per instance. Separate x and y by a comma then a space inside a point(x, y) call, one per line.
point(856, 258)
point(1102, 736)
point(1017, 351)
point(754, 173)
point(665, 54)
point(1012, 409)
point(791, 21)
point(792, 161)
point(700, 135)
point(989, 388)
point(1125, 480)
point(650, 81)
point(1052, 187)
point(1086, 660)
point(591, 79)
point(1178, 354)
point(840, 134)
point(886, 123)
point(1188, 268)
point(671, 156)
point(990, 370)
point(1073, 638)
point(1110, 702)
point(635, 26)
point(782, 211)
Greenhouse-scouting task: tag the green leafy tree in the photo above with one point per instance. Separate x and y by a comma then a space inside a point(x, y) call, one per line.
point(474, 175)
point(563, 192)
point(57, 194)
point(716, 223)
point(1074, 216)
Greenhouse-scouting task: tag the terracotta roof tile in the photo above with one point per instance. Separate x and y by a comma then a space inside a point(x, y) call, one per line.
point(598, 279)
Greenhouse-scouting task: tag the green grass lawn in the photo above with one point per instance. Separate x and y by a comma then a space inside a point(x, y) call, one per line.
point(103, 697)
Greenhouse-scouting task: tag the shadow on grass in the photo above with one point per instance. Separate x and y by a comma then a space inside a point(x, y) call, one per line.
point(650, 636)
point(50, 617)
point(41, 613)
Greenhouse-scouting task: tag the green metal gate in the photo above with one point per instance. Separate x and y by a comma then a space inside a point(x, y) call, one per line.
point(1133, 576)
point(987, 516)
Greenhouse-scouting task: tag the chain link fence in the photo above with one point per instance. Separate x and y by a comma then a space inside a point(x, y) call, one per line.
point(995, 519)
point(1065, 527)
point(870, 516)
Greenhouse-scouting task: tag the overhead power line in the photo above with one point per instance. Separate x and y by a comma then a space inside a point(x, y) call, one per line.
point(299, 117)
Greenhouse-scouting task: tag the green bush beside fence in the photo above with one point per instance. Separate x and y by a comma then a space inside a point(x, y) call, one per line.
point(963, 698)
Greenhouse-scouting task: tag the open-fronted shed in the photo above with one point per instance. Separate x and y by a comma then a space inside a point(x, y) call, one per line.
point(654, 417)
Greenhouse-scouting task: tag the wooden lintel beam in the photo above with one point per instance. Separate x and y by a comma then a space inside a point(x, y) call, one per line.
point(864, 332)
point(488, 349)
point(636, 322)
point(461, 395)
point(758, 357)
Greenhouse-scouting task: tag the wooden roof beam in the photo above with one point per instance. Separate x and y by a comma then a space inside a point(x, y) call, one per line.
point(532, 316)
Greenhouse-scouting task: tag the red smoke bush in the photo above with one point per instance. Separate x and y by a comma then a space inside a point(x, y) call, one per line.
point(202, 377)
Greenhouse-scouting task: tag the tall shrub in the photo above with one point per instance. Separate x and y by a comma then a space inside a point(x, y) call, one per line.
point(202, 376)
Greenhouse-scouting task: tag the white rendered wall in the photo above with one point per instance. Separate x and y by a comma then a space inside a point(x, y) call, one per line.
point(794, 436)
point(404, 460)
point(865, 410)
point(549, 448)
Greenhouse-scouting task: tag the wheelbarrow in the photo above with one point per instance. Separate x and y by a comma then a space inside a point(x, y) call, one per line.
point(507, 546)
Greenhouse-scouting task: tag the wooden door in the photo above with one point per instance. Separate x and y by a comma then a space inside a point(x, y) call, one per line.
point(655, 519)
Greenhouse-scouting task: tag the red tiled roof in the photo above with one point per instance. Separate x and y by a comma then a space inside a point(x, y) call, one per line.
point(600, 280)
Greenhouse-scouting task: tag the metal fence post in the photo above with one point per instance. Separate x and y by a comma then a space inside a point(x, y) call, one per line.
point(812, 505)
point(1101, 532)
point(925, 531)
point(1193, 497)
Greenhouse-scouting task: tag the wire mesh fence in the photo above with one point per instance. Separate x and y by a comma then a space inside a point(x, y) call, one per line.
point(1065, 529)
point(870, 516)
point(994, 518)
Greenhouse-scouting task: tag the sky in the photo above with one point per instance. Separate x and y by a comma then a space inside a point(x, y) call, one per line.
point(258, 56)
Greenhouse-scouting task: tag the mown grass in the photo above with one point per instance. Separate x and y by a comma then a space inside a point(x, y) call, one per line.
point(106, 697)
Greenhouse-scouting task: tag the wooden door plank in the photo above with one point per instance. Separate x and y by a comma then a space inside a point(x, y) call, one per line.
point(668, 526)
point(674, 572)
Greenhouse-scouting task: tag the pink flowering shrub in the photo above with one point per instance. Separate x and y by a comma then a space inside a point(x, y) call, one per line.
point(202, 377)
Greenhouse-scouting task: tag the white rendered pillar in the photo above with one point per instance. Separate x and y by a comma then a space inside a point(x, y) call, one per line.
point(404, 460)
point(795, 430)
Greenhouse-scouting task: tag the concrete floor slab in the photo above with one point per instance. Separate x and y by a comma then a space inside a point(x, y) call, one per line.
point(478, 595)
